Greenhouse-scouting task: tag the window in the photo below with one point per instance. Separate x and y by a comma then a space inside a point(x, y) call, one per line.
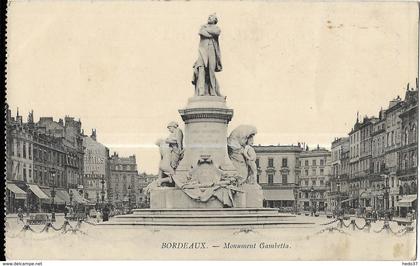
point(306, 172)
point(284, 162)
point(270, 178)
point(30, 151)
point(321, 162)
point(24, 172)
point(321, 171)
point(321, 182)
point(18, 148)
point(313, 182)
point(306, 163)
point(313, 162)
point(270, 162)
point(306, 182)
point(313, 171)
point(257, 162)
point(284, 179)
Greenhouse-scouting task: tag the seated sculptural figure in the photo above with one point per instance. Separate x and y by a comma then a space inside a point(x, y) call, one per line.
point(166, 171)
point(238, 139)
point(175, 142)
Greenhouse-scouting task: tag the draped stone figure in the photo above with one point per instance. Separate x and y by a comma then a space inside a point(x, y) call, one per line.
point(209, 60)
point(175, 141)
point(241, 152)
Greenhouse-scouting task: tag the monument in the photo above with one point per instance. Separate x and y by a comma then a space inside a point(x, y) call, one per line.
point(206, 177)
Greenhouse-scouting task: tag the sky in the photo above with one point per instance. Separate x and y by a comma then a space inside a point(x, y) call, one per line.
point(298, 71)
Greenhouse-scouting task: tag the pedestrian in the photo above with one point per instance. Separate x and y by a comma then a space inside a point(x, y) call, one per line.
point(105, 213)
point(20, 214)
point(66, 210)
point(98, 216)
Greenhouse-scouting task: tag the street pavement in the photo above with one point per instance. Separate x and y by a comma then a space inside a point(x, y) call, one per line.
point(322, 240)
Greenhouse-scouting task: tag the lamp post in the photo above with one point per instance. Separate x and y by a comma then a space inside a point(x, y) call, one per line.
point(386, 194)
point(52, 184)
point(71, 197)
point(312, 201)
point(129, 197)
point(103, 190)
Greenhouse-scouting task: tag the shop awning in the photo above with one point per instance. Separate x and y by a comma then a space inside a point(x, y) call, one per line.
point(406, 201)
point(38, 192)
point(19, 193)
point(279, 194)
point(346, 200)
point(63, 195)
point(77, 197)
point(57, 199)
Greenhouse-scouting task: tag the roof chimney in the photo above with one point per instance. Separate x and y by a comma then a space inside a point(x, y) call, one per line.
point(93, 135)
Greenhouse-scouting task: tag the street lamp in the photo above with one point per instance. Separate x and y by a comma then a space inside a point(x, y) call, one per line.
point(312, 200)
point(71, 198)
point(103, 190)
point(52, 184)
point(386, 194)
point(129, 197)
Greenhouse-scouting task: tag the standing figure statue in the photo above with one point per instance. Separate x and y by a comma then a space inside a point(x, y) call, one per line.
point(242, 154)
point(209, 60)
point(250, 157)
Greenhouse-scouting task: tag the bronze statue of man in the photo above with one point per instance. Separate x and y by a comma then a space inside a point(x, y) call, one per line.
point(209, 60)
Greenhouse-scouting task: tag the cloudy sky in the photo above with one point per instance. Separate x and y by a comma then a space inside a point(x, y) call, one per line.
point(297, 71)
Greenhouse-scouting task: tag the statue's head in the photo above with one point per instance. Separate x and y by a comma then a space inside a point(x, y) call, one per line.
point(250, 140)
point(212, 19)
point(172, 126)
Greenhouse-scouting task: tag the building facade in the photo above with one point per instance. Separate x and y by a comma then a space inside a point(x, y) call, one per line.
point(338, 193)
point(392, 145)
point(277, 174)
point(315, 170)
point(124, 189)
point(96, 170)
point(408, 154)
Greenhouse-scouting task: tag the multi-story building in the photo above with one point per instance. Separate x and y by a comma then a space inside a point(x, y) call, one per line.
point(124, 186)
point(377, 184)
point(19, 160)
point(339, 173)
point(96, 170)
point(365, 162)
point(277, 174)
point(392, 146)
point(49, 156)
point(70, 133)
point(408, 153)
point(315, 171)
point(143, 181)
point(354, 178)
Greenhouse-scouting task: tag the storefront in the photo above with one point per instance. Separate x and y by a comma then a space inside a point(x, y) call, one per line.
point(37, 199)
point(283, 199)
point(406, 204)
point(15, 198)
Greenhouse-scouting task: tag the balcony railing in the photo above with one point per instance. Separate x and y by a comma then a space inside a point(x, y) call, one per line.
point(407, 171)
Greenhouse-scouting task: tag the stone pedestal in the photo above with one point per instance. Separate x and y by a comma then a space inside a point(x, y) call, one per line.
point(206, 121)
point(174, 198)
